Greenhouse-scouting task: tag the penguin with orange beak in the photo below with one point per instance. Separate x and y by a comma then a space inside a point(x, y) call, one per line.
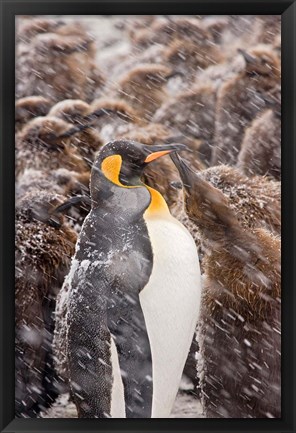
point(133, 292)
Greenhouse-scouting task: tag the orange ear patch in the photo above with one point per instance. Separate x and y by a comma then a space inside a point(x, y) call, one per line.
point(111, 168)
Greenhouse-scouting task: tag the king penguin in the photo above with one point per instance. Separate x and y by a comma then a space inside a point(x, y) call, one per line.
point(133, 292)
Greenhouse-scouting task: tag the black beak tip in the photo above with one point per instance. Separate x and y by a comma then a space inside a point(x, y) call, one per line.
point(185, 171)
point(172, 147)
point(248, 58)
point(181, 146)
point(175, 158)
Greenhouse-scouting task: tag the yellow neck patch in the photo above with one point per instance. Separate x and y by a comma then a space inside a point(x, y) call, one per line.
point(111, 168)
point(157, 205)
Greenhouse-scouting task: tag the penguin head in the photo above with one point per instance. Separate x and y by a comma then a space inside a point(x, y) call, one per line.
point(29, 107)
point(41, 208)
point(206, 205)
point(122, 162)
point(70, 110)
point(48, 132)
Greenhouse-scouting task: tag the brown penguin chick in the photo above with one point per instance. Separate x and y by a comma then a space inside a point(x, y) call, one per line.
point(28, 108)
point(152, 55)
point(71, 110)
point(61, 181)
point(191, 57)
point(256, 201)
point(165, 30)
point(144, 37)
point(143, 88)
point(28, 29)
point(134, 25)
point(241, 31)
point(44, 246)
point(240, 99)
point(44, 144)
point(118, 114)
point(70, 184)
point(221, 73)
point(31, 180)
point(60, 67)
point(261, 147)
point(270, 28)
point(216, 25)
point(240, 316)
point(192, 112)
point(88, 141)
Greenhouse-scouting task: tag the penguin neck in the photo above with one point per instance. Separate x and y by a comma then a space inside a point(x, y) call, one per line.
point(158, 207)
point(111, 168)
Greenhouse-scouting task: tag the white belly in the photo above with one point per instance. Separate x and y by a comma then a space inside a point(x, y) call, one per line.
point(170, 303)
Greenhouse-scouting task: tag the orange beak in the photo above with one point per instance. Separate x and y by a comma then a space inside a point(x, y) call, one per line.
point(156, 155)
point(158, 150)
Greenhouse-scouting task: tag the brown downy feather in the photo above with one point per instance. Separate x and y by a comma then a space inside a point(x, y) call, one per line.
point(71, 111)
point(28, 29)
point(118, 114)
point(261, 147)
point(143, 88)
point(163, 31)
point(60, 181)
point(215, 25)
point(44, 247)
point(256, 201)
point(59, 66)
point(136, 24)
point(239, 333)
point(191, 57)
point(193, 113)
point(42, 145)
point(86, 142)
point(109, 115)
point(31, 180)
point(239, 326)
point(270, 27)
point(28, 108)
point(240, 99)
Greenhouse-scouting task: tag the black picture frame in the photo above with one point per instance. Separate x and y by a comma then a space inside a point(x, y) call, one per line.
point(10, 8)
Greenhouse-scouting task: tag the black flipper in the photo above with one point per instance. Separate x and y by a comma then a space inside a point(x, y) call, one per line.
point(88, 347)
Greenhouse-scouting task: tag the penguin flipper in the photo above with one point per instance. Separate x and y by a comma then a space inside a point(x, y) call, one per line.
point(88, 356)
point(128, 328)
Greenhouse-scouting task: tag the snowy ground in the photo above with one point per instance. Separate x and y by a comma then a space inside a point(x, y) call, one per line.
point(186, 406)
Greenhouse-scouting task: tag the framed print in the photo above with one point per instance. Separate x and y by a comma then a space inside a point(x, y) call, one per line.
point(147, 164)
